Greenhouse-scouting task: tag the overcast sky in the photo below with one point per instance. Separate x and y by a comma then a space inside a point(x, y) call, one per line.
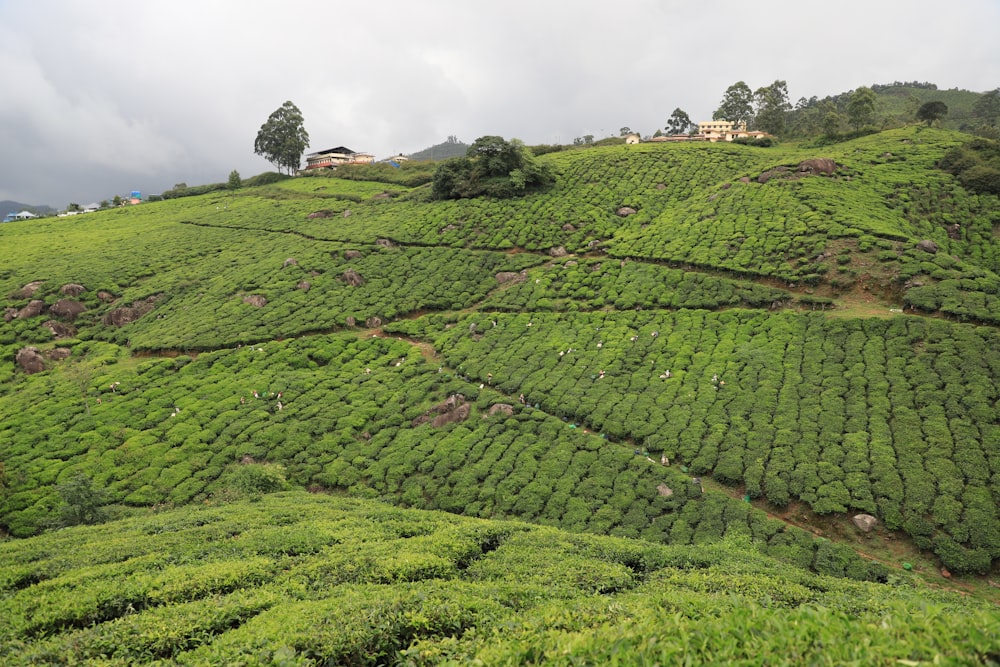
point(101, 97)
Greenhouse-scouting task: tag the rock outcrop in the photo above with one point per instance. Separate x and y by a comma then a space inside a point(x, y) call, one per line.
point(60, 330)
point(67, 309)
point(33, 309)
point(30, 360)
point(510, 277)
point(28, 290)
point(452, 410)
point(819, 165)
point(352, 278)
point(865, 522)
point(503, 408)
point(122, 316)
point(255, 300)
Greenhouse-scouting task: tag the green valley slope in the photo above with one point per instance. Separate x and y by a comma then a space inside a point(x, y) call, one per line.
point(530, 376)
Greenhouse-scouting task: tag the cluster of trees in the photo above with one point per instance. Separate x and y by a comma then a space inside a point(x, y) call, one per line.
point(769, 109)
point(762, 109)
point(493, 167)
point(889, 417)
point(976, 164)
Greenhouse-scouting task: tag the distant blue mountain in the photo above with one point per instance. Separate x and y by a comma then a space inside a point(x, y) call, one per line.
point(8, 206)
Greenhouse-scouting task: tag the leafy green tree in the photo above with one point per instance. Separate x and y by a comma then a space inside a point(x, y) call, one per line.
point(235, 182)
point(772, 106)
point(495, 156)
point(283, 139)
point(73, 207)
point(737, 104)
point(492, 166)
point(861, 107)
point(987, 108)
point(679, 122)
point(105, 203)
point(117, 200)
point(831, 123)
point(452, 179)
point(625, 131)
point(932, 111)
point(81, 502)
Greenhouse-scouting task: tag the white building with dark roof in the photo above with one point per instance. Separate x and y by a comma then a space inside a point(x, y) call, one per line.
point(332, 157)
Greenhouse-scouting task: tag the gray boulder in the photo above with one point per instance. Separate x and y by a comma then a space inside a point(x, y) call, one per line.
point(67, 309)
point(29, 360)
point(865, 522)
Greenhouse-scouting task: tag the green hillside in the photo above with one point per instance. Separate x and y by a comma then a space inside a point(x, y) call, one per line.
point(299, 579)
point(674, 346)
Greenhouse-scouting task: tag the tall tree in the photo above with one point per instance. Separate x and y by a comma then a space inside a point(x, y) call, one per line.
point(932, 111)
point(283, 138)
point(624, 131)
point(831, 122)
point(679, 122)
point(737, 104)
point(772, 106)
point(861, 107)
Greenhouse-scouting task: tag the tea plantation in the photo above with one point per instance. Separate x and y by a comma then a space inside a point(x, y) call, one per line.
point(300, 579)
point(601, 397)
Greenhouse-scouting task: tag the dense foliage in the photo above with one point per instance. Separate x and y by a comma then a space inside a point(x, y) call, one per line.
point(976, 164)
point(282, 139)
point(492, 167)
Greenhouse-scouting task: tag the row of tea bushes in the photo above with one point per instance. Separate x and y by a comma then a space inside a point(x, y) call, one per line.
point(327, 287)
point(346, 413)
point(310, 579)
point(593, 284)
point(894, 417)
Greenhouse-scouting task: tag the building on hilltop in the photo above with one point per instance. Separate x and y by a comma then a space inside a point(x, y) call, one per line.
point(23, 215)
point(332, 157)
point(725, 130)
point(720, 127)
point(715, 130)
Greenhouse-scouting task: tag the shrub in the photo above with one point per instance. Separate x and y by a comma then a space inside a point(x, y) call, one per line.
point(981, 178)
point(81, 502)
point(255, 479)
